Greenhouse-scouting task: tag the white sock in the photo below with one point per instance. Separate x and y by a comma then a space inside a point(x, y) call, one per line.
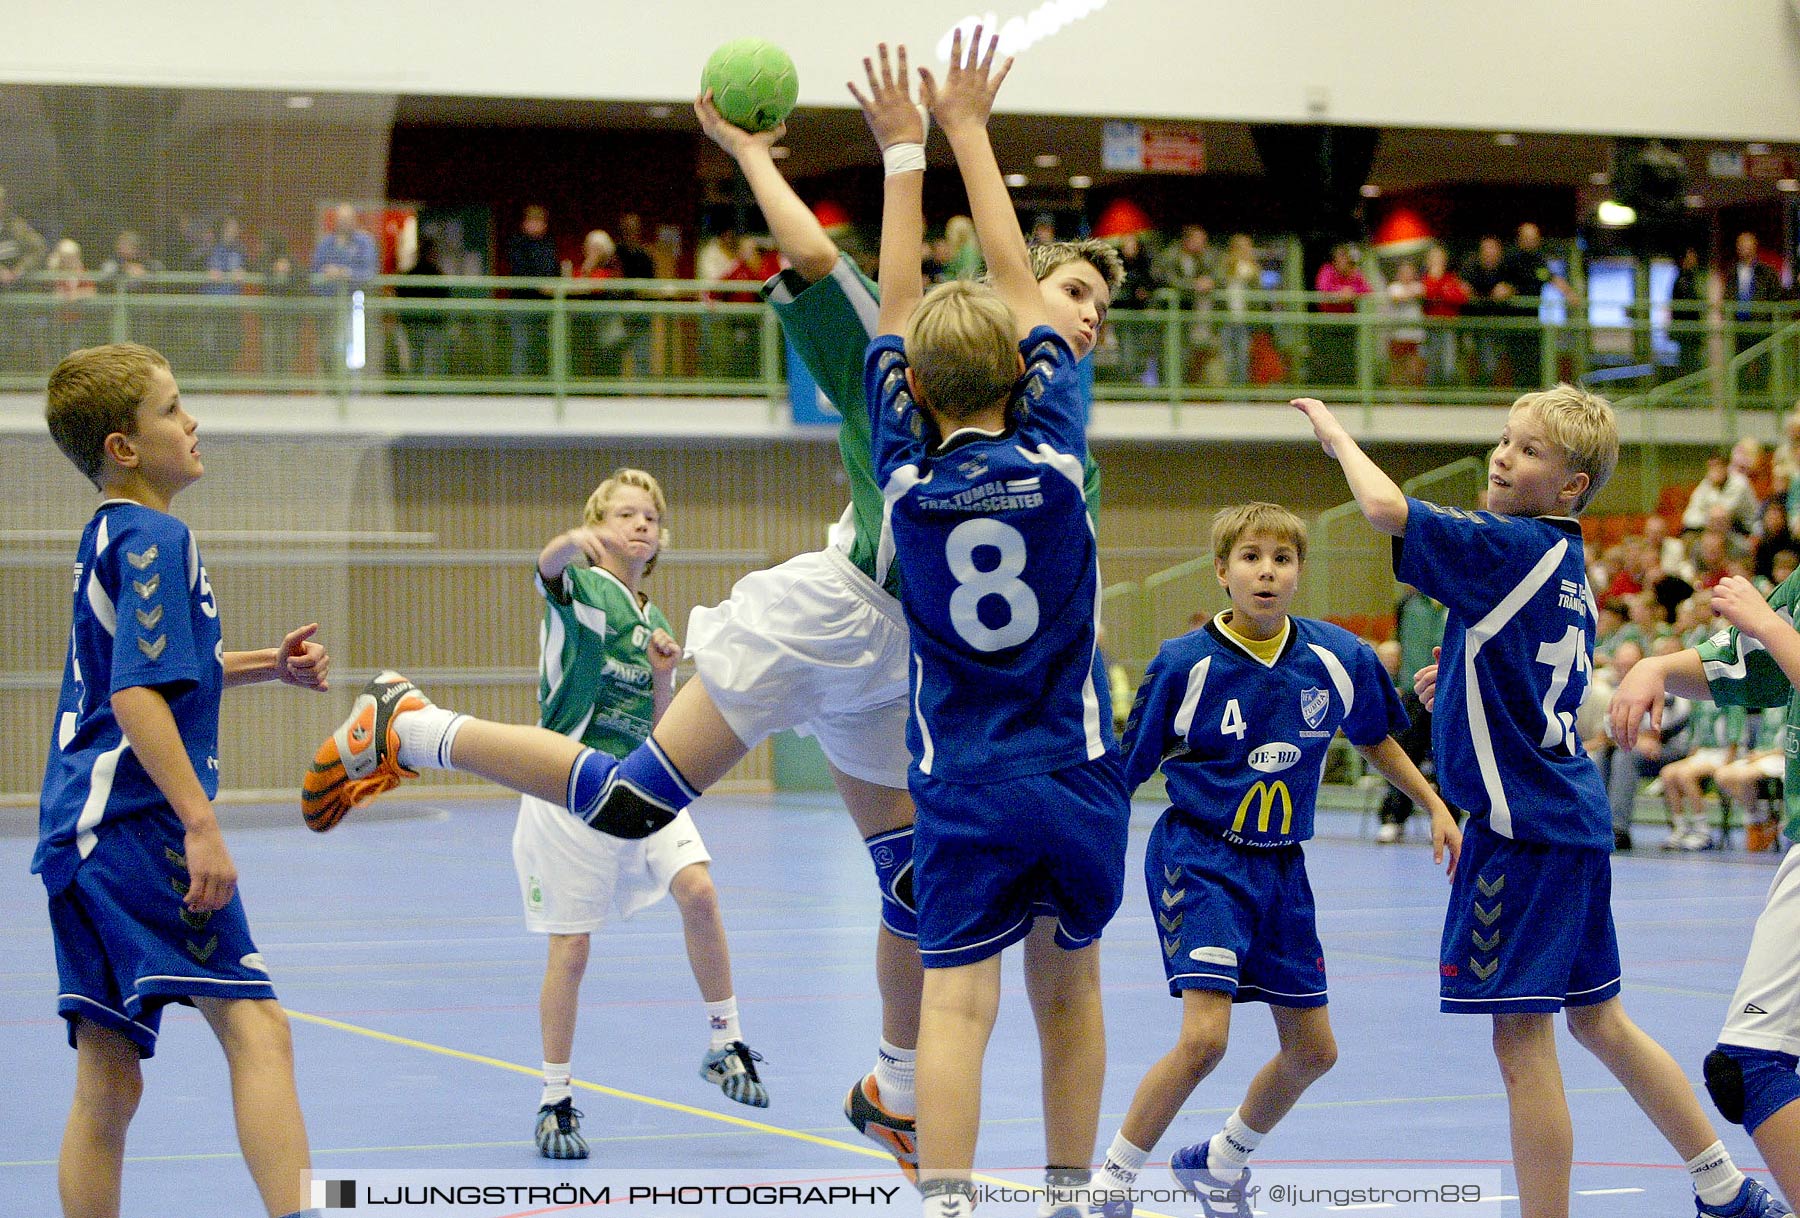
point(425, 737)
point(894, 1077)
point(1230, 1149)
point(556, 1083)
point(1124, 1163)
point(1716, 1178)
point(722, 1018)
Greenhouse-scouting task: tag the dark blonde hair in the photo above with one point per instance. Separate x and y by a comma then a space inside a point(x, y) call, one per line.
point(1232, 524)
point(963, 347)
point(1584, 426)
point(94, 393)
point(1102, 256)
point(602, 498)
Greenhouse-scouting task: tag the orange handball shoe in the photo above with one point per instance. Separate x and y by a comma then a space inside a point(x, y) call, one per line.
point(361, 759)
point(892, 1132)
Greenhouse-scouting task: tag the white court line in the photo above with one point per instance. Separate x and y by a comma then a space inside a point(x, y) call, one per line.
point(1605, 1192)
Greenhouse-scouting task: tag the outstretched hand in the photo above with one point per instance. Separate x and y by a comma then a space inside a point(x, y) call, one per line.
point(1325, 424)
point(966, 98)
point(892, 115)
point(728, 135)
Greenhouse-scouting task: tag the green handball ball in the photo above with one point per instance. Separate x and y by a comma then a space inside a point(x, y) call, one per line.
point(753, 83)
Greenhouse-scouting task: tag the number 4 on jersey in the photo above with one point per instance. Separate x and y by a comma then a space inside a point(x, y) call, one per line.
point(1233, 723)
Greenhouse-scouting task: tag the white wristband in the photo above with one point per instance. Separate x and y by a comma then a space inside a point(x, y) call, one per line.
point(903, 158)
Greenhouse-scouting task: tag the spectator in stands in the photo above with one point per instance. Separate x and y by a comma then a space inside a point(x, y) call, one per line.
point(1762, 766)
point(1415, 740)
point(128, 258)
point(1139, 344)
point(1612, 629)
point(531, 254)
point(1752, 284)
point(345, 256)
point(1754, 462)
point(636, 262)
point(600, 336)
point(1626, 768)
point(1444, 298)
point(1664, 551)
point(1712, 558)
point(1783, 566)
point(1189, 269)
point(1713, 735)
point(1721, 487)
point(226, 263)
point(963, 260)
point(1785, 464)
point(427, 345)
point(1490, 290)
point(72, 286)
point(1530, 273)
point(1241, 274)
point(1043, 229)
point(283, 285)
point(1627, 565)
point(1406, 341)
point(1772, 537)
point(754, 264)
point(1418, 628)
point(1333, 345)
point(1687, 313)
point(22, 248)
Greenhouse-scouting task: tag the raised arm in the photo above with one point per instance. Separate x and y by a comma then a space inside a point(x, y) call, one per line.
point(798, 234)
point(962, 105)
point(899, 129)
point(1383, 504)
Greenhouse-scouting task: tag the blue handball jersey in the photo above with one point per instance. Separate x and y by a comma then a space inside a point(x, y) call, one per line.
point(1242, 743)
point(144, 614)
point(1001, 581)
point(1518, 653)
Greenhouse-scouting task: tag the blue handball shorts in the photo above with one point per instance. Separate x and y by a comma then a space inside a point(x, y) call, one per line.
point(1529, 927)
point(990, 858)
point(126, 946)
point(1233, 918)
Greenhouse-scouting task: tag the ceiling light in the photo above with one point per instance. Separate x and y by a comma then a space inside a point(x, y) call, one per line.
point(1506, 139)
point(1695, 201)
point(1046, 160)
point(299, 101)
point(659, 111)
point(1599, 177)
point(1789, 185)
point(1614, 214)
point(1371, 191)
point(1080, 181)
point(1016, 180)
point(780, 152)
point(1757, 149)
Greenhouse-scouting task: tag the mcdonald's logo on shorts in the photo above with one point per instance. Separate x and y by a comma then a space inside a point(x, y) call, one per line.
point(1265, 793)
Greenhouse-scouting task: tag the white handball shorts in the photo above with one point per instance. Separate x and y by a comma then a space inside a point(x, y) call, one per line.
point(1765, 1011)
point(815, 646)
point(574, 880)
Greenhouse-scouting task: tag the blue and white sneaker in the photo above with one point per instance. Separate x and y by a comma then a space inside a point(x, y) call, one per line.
point(1218, 1198)
point(733, 1070)
point(559, 1131)
point(1752, 1201)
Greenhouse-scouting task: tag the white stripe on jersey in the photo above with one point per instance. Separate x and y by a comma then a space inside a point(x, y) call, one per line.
point(193, 563)
point(1499, 811)
point(919, 716)
point(550, 648)
point(100, 785)
point(104, 610)
point(1340, 676)
point(899, 482)
point(1064, 464)
point(1739, 667)
point(591, 616)
point(868, 309)
point(1071, 468)
point(1190, 699)
point(103, 537)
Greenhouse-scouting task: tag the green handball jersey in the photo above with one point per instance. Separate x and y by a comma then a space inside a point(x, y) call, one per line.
point(831, 323)
point(1740, 672)
point(594, 676)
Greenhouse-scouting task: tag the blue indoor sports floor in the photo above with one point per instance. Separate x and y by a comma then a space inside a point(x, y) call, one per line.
point(397, 944)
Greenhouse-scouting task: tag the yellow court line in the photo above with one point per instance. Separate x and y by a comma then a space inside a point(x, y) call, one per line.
point(670, 1105)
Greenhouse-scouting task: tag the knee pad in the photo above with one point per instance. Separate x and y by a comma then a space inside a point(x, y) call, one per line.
point(598, 797)
point(1748, 1086)
point(892, 853)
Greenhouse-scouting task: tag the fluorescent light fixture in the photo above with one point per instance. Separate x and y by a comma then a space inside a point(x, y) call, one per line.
point(299, 101)
point(1599, 177)
point(1757, 149)
point(1695, 201)
point(1016, 180)
point(1046, 160)
point(659, 111)
point(1788, 185)
point(1371, 191)
point(1080, 181)
point(1506, 139)
point(1614, 214)
point(781, 152)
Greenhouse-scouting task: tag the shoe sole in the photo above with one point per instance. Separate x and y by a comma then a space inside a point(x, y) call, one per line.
point(904, 1147)
point(327, 792)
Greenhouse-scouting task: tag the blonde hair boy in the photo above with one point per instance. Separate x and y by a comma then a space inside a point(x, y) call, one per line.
point(95, 392)
point(1584, 426)
point(624, 476)
point(962, 348)
point(1229, 524)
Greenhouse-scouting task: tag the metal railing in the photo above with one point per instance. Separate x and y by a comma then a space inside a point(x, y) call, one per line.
point(561, 338)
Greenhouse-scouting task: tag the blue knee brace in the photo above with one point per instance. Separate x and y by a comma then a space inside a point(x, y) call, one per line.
point(1751, 1085)
point(893, 855)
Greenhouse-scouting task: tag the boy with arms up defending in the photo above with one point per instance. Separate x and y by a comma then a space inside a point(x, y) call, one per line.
point(1529, 930)
point(1239, 715)
point(979, 443)
point(143, 903)
point(1754, 663)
